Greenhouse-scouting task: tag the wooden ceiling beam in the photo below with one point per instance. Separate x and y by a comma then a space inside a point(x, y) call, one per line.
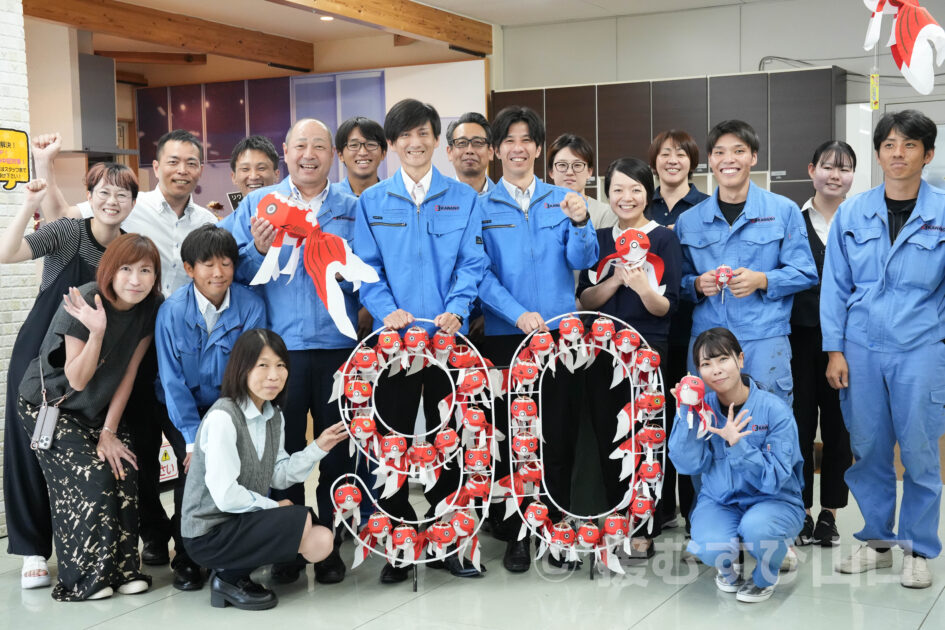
point(130, 56)
point(403, 17)
point(139, 80)
point(177, 31)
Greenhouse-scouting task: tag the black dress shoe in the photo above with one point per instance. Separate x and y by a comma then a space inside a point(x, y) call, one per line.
point(392, 575)
point(245, 595)
point(560, 563)
point(331, 570)
point(517, 557)
point(286, 573)
point(155, 553)
point(458, 567)
point(187, 574)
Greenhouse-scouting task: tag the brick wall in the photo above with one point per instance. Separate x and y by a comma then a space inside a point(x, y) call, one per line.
point(17, 282)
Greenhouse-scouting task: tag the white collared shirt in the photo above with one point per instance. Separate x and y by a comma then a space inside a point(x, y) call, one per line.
point(218, 442)
point(522, 197)
point(153, 217)
point(820, 222)
point(211, 314)
point(418, 190)
point(646, 229)
point(315, 203)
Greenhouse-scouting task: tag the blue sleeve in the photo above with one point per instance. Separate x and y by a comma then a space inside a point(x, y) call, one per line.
point(375, 296)
point(689, 453)
point(835, 288)
point(581, 249)
point(498, 298)
point(181, 406)
point(797, 270)
point(238, 225)
point(768, 468)
point(256, 314)
point(470, 265)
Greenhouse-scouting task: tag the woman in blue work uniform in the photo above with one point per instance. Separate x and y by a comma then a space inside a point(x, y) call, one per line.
point(627, 294)
point(750, 468)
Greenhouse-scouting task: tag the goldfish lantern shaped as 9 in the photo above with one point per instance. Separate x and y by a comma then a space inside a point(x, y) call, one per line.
point(358, 391)
point(625, 345)
point(523, 375)
point(347, 498)
point(423, 458)
point(523, 412)
point(571, 340)
point(542, 345)
point(416, 341)
point(375, 531)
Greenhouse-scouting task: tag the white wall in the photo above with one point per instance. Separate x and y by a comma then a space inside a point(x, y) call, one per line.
point(53, 65)
point(721, 40)
point(17, 282)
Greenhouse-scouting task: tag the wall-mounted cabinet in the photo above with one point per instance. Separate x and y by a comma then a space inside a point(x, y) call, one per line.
point(745, 97)
point(623, 112)
point(682, 104)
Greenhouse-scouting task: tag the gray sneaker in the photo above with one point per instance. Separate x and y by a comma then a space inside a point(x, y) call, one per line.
point(729, 582)
point(751, 593)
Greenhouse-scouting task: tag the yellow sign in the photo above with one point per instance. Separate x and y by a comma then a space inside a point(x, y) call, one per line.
point(874, 91)
point(14, 158)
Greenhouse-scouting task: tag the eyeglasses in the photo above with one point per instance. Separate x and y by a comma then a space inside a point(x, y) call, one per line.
point(577, 167)
point(120, 197)
point(477, 142)
point(355, 145)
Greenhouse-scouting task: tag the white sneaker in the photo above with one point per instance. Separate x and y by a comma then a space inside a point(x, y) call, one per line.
point(133, 587)
point(865, 558)
point(790, 561)
point(751, 593)
point(101, 593)
point(34, 564)
point(915, 572)
point(729, 583)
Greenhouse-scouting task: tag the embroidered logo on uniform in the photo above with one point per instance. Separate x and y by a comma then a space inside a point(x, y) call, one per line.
point(478, 240)
point(439, 208)
point(761, 220)
point(759, 427)
point(552, 205)
point(937, 228)
point(344, 218)
point(376, 216)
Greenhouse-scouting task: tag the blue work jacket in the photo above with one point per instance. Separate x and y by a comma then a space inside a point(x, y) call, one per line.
point(762, 466)
point(429, 257)
point(191, 359)
point(885, 296)
point(769, 236)
point(293, 307)
point(532, 256)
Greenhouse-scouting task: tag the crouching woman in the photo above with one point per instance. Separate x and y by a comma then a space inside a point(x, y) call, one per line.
point(229, 523)
point(751, 470)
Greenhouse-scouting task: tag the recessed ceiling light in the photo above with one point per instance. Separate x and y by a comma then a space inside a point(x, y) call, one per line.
point(326, 18)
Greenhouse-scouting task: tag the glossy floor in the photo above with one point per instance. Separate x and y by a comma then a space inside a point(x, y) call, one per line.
point(668, 592)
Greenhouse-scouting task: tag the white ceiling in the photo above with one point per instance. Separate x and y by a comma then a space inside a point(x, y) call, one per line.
point(527, 12)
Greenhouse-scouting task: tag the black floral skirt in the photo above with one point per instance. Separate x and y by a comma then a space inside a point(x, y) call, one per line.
point(94, 515)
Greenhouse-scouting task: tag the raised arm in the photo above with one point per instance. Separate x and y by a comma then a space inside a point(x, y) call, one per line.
point(45, 149)
point(13, 246)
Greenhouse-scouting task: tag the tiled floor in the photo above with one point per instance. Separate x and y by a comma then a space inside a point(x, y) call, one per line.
point(666, 593)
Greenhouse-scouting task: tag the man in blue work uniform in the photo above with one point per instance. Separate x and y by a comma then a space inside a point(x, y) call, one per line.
point(762, 237)
point(195, 329)
point(882, 312)
point(361, 147)
point(316, 347)
point(421, 232)
point(469, 148)
point(536, 235)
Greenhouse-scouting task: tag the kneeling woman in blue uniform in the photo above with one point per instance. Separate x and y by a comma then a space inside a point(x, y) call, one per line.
point(751, 470)
point(228, 522)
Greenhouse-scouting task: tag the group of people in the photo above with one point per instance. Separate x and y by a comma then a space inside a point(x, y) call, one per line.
point(814, 297)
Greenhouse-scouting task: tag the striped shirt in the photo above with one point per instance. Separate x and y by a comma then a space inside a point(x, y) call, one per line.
point(60, 242)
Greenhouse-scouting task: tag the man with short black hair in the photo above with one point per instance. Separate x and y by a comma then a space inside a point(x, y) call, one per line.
point(361, 147)
point(882, 311)
point(422, 234)
point(469, 148)
point(195, 329)
point(254, 164)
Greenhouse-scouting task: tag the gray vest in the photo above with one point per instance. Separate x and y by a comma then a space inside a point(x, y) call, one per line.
point(199, 513)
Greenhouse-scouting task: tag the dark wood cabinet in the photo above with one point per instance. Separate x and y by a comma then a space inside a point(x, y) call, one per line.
point(742, 97)
point(806, 110)
point(797, 191)
point(682, 104)
point(152, 106)
point(623, 122)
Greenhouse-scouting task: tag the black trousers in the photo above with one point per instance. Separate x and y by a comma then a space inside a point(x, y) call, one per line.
point(560, 405)
point(144, 418)
point(814, 397)
point(677, 357)
point(397, 399)
point(311, 376)
point(179, 445)
point(605, 403)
